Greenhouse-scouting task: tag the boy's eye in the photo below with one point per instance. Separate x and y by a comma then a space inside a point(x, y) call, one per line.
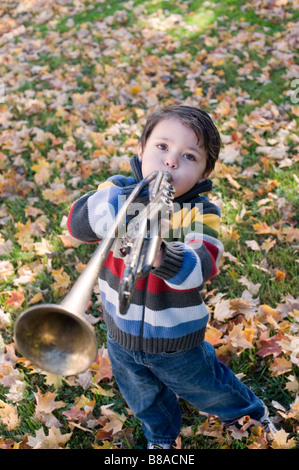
point(189, 156)
point(162, 146)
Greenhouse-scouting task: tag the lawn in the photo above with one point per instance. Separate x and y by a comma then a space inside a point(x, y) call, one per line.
point(77, 80)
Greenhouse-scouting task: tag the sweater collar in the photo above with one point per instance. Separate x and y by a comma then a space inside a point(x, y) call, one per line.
point(197, 189)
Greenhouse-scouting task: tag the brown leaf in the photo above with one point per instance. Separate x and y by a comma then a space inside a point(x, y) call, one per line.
point(102, 366)
point(241, 337)
point(9, 415)
point(111, 421)
point(268, 345)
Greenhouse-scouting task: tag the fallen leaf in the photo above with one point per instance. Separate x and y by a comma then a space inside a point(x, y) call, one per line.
point(15, 299)
point(9, 415)
point(223, 310)
point(281, 441)
point(54, 440)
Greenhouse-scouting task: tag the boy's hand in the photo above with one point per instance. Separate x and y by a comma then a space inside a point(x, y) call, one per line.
point(166, 225)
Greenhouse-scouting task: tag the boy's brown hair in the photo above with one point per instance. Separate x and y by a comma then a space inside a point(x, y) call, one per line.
point(196, 119)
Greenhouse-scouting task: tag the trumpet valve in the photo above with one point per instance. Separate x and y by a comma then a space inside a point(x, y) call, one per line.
point(125, 246)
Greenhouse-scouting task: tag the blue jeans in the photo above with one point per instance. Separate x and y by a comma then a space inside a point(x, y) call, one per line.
point(152, 383)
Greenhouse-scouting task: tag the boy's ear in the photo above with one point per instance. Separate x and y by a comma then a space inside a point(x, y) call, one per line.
point(205, 176)
point(140, 151)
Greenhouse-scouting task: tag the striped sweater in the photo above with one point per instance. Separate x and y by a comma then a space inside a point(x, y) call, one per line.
point(166, 312)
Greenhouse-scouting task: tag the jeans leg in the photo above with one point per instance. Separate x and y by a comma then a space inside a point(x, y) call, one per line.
point(200, 378)
point(151, 401)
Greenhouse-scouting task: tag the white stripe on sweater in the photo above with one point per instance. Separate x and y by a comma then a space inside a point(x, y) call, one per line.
point(167, 318)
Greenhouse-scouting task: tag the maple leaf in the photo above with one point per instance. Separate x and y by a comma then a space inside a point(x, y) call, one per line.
point(54, 440)
point(42, 248)
point(25, 235)
point(111, 421)
point(42, 171)
point(253, 245)
point(223, 310)
point(6, 246)
point(57, 193)
point(11, 377)
point(213, 336)
point(269, 345)
point(280, 365)
point(6, 270)
point(241, 337)
point(82, 412)
point(26, 275)
point(102, 366)
point(281, 441)
point(45, 405)
point(62, 281)
point(9, 415)
point(253, 288)
point(290, 344)
point(15, 299)
point(211, 430)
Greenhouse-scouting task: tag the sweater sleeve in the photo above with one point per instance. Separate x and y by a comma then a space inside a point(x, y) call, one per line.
point(90, 217)
point(193, 257)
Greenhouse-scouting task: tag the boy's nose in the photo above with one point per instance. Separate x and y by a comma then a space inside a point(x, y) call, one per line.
point(171, 161)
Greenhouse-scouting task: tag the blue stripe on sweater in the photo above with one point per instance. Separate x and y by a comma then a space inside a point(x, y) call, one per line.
point(190, 261)
point(152, 331)
point(183, 329)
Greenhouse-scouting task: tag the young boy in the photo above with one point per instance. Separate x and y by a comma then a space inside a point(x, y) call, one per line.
point(157, 350)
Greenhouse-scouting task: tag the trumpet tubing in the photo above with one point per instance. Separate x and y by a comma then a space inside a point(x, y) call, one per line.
point(57, 338)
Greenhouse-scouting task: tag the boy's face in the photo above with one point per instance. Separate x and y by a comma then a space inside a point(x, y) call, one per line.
point(173, 147)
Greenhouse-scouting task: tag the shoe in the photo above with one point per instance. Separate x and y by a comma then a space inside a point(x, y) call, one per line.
point(159, 446)
point(269, 428)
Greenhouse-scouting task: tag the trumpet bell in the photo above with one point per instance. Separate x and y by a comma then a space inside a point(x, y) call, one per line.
point(55, 339)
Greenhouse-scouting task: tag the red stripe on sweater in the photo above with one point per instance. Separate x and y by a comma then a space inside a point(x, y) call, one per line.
point(155, 284)
point(68, 222)
point(213, 251)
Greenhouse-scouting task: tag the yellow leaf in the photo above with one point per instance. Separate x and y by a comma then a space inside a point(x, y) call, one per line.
point(268, 244)
point(135, 89)
point(281, 441)
point(98, 390)
point(42, 248)
point(42, 171)
point(199, 91)
point(279, 275)
point(36, 298)
point(25, 235)
point(62, 279)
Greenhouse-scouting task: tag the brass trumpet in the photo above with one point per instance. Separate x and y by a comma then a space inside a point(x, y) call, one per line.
point(57, 338)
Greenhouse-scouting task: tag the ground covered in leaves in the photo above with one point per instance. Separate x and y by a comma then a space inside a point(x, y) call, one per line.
point(77, 80)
